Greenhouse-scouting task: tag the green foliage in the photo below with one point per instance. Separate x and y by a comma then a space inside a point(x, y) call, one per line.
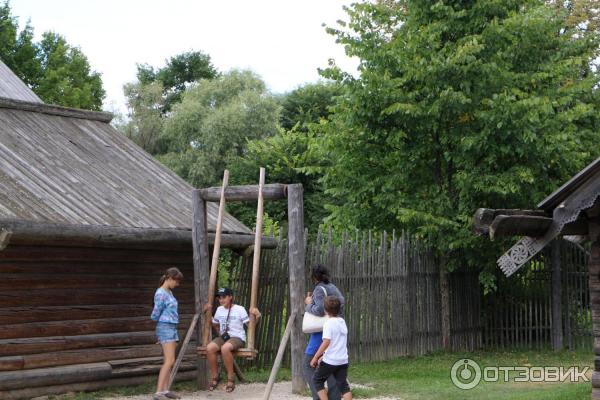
point(145, 122)
point(213, 122)
point(58, 73)
point(288, 157)
point(459, 105)
point(308, 104)
point(178, 73)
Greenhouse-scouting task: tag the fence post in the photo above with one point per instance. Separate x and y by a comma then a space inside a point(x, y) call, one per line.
point(297, 289)
point(445, 304)
point(557, 326)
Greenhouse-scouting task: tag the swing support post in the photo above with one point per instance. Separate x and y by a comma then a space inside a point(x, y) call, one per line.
point(256, 260)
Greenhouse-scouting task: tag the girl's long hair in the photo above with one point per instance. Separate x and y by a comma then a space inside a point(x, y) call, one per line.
point(173, 273)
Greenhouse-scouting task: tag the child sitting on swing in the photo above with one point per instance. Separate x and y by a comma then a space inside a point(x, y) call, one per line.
point(228, 321)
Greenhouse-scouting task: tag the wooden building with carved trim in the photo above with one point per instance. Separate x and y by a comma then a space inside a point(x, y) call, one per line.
point(88, 223)
point(571, 212)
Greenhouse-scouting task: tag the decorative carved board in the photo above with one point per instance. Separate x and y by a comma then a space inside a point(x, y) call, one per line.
point(568, 211)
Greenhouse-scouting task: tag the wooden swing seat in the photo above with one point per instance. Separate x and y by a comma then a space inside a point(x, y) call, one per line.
point(248, 354)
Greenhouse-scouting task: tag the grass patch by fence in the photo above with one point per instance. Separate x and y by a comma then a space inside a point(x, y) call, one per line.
point(428, 377)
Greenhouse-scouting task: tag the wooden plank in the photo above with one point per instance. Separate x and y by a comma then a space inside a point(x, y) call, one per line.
point(557, 326)
point(535, 226)
point(256, 260)
point(297, 284)
point(274, 191)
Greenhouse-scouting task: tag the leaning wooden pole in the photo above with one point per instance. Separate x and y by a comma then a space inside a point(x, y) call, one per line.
point(256, 259)
point(296, 267)
point(279, 358)
point(183, 349)
point(212, 282)
point(201, 273)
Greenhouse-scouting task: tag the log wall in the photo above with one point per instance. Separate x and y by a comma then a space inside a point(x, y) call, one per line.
point(78, 316)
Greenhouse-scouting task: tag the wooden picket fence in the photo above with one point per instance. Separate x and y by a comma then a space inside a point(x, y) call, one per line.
point(391, 284)
point(519, 312)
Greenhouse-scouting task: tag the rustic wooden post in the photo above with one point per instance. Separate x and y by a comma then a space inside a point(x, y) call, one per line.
point(297, 289)
point(557, 326)
point(256, 260)
point(594, 283)
point(201, 274)
point(445, 304)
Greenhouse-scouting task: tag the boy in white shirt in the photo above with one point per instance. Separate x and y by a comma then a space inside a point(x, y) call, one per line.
point(334, 350)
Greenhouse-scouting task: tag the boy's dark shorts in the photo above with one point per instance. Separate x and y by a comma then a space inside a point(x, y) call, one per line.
point(339, 372)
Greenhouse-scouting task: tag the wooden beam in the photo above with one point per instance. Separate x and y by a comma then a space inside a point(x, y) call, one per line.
point(201, 274)
point(534, 226)
point(51, 234)
point(484, 217)
point(56, 110)
point(274, 191)
point(297, 290)
point(594, 287)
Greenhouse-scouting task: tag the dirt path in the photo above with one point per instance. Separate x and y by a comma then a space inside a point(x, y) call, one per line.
point(254, 391)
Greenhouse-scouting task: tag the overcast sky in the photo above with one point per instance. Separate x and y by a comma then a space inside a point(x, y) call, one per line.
point(283, 41)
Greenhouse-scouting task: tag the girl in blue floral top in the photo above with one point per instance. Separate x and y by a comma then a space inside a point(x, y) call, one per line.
point(167, 317)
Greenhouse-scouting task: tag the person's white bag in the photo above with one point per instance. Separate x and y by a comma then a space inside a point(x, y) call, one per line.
point(312, 323)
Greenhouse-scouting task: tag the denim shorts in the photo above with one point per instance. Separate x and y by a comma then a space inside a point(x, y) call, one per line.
point(166, 332)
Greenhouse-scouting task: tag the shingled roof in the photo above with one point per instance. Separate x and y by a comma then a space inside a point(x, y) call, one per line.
point(63, 165)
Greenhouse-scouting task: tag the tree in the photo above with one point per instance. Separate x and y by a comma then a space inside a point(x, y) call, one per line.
point(67, 78)
point(178, 73)
point(145, 122)
point(214, 121)
point(459, 105)
point(288, 157)
point(55, 71)
point(308, 104)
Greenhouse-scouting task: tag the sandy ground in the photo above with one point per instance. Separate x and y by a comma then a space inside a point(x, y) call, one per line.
point(254, 391)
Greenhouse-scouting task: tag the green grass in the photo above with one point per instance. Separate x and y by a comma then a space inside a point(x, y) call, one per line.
point(428, 377)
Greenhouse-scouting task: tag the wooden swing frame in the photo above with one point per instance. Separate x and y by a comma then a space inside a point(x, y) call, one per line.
point(205, 276)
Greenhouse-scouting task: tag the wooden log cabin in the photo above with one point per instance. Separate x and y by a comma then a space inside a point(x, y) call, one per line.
point(88, 223)
point(572, 212)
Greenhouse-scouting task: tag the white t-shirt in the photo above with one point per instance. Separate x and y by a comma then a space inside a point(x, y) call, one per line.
point(237, 318)
point(336, 331)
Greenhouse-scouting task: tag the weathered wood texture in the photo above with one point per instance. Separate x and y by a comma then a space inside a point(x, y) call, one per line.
point(520, 313)
point(67, 306)
point(11, 87)
point(201, 278)
point(54, 234)
point(296, 266)
point(274, 191)
point(65, 169)
point(397, 268)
